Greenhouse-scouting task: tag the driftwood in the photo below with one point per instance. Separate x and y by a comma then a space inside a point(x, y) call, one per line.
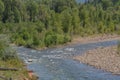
point(3, 78)
point(8, 69)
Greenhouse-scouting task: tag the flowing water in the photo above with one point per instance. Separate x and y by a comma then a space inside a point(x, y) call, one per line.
point(57, 63)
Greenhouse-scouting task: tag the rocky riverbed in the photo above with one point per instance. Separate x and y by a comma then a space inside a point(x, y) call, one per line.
point(102, 58)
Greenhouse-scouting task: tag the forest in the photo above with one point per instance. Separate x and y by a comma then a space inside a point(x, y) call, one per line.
point(45, 23)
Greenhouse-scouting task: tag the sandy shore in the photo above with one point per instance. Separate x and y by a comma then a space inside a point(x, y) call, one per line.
point(94, 38)
point(102, 58)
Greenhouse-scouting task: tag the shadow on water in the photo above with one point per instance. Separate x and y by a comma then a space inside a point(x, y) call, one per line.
point(56, 63)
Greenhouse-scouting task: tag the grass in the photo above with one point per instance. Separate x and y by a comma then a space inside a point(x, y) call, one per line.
point(9, 59)
point(15, 75)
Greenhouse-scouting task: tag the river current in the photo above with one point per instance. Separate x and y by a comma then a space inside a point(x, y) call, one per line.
point(57, 63)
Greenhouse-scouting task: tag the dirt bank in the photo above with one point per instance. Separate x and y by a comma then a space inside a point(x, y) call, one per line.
point(102, 58)
point(94, 38)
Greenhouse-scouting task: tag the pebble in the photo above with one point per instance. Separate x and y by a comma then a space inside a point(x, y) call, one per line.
point(102, 58)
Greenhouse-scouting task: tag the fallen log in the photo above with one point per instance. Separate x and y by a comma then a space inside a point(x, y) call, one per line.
point(8, 69)
point(3, 78)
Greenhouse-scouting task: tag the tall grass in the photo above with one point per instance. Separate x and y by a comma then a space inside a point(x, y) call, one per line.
point(9, 59)
point(6, 52)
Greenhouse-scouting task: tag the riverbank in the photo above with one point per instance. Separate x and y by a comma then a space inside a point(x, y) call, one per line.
point(14, 69)
point(106, 59)
point(94, 38)
point(88, 39)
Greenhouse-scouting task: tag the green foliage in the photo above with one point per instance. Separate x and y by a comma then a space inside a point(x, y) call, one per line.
point(32, 8)
point(50, 39)
point(67, 38)
point(41, 23)
point(6, 53)
point(60, 39)
point(1, 8)
point(3, 46)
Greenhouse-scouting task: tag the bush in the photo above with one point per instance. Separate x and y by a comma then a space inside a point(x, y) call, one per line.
point(50, 39)
point(20, 42)
point(67, 38)
point(6, 53)
point(60, 39)
point(9, 54)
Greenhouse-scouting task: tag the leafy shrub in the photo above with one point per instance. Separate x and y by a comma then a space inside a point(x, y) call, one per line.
point(67, 38)
point(19, 41)
point(50, 39)
point(60, 39)
point(6, 52)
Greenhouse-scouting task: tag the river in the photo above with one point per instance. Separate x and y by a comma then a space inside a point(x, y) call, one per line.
point(57, 63)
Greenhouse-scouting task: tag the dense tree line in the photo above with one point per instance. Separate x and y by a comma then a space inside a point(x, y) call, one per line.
point(40, 23)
